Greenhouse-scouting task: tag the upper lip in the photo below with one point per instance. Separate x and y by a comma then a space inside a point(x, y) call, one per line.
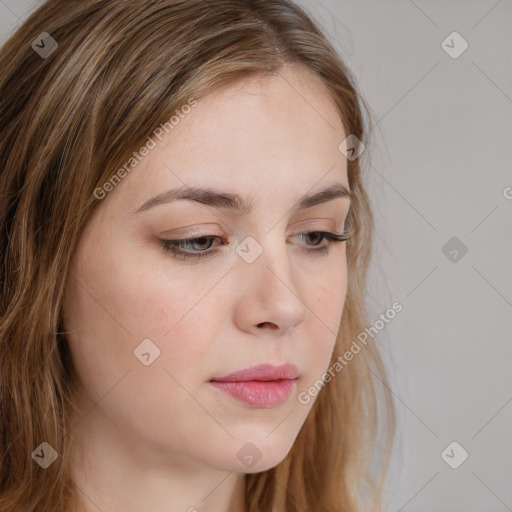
point(262, 372)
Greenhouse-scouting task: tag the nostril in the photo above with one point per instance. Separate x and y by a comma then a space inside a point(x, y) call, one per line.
point(268, 324)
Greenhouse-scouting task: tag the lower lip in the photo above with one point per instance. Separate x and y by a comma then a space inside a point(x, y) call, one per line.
point(258, 393)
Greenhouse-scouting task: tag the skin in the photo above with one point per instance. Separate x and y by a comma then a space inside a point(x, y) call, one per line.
point(158, 437)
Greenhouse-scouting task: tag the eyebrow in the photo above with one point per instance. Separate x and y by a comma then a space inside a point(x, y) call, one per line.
point(236, 203)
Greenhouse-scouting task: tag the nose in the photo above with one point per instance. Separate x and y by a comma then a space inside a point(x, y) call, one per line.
point(270, 292)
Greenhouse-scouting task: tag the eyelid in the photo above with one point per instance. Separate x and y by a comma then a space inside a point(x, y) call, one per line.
point(196, 231)
point(172, 246)
point(204, 230)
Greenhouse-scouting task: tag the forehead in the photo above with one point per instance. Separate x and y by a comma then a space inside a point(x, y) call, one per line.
point(268, 132)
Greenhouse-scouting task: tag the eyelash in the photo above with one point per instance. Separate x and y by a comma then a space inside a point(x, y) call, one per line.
point(171, 246)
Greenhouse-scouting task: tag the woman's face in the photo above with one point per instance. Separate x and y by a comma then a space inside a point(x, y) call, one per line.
point(149, 330)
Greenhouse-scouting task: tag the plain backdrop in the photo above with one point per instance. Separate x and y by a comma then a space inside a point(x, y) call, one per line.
point(437, 76)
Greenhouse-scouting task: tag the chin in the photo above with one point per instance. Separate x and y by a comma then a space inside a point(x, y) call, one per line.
point(259, 467)
point(256, 453)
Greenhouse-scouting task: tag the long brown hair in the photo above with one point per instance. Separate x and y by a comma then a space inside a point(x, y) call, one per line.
point(73, 108)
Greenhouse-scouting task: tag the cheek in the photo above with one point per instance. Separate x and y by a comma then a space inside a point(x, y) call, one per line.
point(110, 312)
point(325, 312)
point(117, 304)
point(182, 312)
point(329, 290)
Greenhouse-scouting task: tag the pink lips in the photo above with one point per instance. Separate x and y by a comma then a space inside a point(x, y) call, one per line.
point(262, 386)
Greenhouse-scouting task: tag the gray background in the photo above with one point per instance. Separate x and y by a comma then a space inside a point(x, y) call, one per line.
point(439, 168)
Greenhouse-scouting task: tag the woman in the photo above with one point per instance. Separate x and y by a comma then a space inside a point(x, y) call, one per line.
point(186, 238)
